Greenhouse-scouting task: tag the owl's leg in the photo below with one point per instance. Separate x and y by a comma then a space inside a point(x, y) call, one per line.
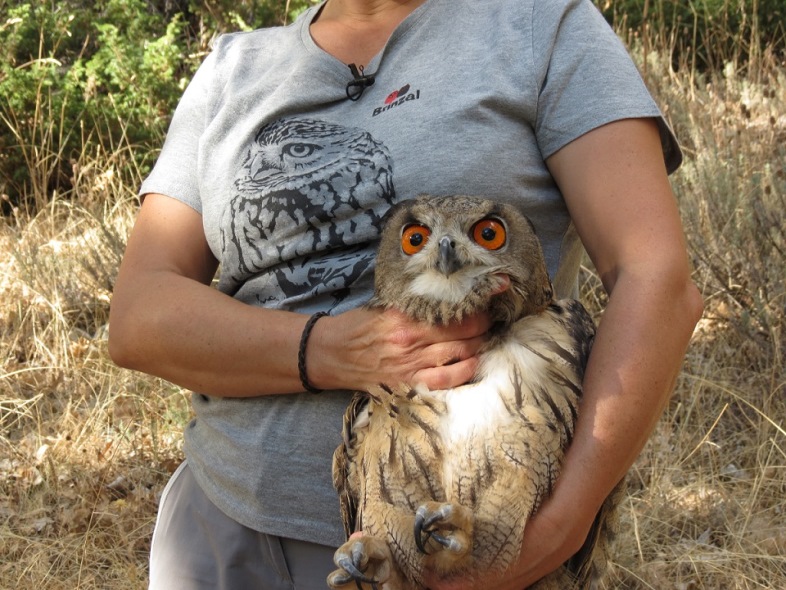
point(363, 562)
point(443, 531)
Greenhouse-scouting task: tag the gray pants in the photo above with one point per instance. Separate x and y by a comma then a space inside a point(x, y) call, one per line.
point(197, 547)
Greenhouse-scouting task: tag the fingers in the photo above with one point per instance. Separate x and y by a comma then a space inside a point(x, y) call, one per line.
point(407, 332)
point(447, 376)
point(439, 357)
point(365, 348)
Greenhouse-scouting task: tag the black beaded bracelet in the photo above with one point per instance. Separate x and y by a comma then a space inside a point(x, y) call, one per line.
point(301, 355)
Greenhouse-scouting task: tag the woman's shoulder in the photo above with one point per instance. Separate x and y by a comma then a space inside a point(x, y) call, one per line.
point(241, 41)
point(264, 39)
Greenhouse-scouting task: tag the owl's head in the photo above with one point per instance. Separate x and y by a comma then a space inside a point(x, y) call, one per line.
point(441, 258)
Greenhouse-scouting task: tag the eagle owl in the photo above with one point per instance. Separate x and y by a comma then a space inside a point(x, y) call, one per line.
point(445, 481)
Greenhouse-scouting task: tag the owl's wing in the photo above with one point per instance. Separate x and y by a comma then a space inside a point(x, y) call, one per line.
point(347, 459)
point(580, 328)
point(561, 336)
point(589, 564)
point(591, 561)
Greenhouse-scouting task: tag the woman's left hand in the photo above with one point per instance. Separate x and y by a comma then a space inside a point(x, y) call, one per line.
point(551, 537)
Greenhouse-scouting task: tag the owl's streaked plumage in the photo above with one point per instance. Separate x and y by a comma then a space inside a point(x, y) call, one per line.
point(446, 480)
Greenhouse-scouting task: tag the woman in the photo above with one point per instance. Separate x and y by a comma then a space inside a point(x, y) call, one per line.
point(279, 164)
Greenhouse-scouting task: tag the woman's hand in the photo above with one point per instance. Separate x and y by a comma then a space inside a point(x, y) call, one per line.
point(551, 537)
point(366, 347)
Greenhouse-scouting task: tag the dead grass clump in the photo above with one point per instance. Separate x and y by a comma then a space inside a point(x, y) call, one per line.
point(84, 447)
point(707, 504)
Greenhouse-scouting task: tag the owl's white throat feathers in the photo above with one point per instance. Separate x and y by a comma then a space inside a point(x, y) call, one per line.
point(455, 288)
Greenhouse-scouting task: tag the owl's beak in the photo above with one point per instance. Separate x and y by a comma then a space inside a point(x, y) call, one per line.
point(447, 263)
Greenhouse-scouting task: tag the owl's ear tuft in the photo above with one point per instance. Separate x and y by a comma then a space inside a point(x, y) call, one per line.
point(397, 208)
point(390, 214)
point(394, 211)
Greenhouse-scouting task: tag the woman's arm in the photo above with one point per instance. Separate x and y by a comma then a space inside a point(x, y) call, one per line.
point(615, 184)
point(166, 321)
point(616, 188)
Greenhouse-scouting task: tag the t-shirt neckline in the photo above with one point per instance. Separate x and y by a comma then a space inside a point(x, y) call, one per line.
point(404, 27)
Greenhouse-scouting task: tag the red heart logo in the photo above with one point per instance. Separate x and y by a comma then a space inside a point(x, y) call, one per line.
point(396, 93)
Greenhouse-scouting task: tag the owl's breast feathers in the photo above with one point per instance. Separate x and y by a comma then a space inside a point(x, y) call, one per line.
point(514, 420)
point(522, 406)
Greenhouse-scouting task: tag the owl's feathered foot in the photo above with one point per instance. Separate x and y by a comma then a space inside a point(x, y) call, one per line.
point(361, 560)
point(448, 525)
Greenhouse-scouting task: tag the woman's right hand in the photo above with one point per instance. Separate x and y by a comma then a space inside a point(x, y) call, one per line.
point(364, 348)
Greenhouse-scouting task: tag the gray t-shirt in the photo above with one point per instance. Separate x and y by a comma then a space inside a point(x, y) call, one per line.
point(292, 180)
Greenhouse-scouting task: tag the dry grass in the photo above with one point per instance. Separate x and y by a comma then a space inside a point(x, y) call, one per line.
point(86, 448)
point(707, 506)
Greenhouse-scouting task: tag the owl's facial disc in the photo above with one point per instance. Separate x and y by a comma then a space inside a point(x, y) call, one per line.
point(451, 275)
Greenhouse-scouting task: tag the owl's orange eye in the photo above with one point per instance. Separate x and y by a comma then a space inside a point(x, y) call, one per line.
point(489, 233)
point(414, 238)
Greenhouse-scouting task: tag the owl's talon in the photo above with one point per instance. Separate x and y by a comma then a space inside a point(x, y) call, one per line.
point(419, 540)
point(446, 542)
point(363, 562)
point(350, 574)
point(355, 574)
point(429, 520)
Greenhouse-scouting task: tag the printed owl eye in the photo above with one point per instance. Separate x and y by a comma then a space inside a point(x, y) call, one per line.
point(489, 233)
point(299, 150)
point(414, 238)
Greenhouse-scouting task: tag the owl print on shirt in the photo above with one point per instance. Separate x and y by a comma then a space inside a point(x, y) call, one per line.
point(306, 212)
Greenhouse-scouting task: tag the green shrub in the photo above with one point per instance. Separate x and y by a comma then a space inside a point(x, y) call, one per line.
point(79, 78)
point(71, 77)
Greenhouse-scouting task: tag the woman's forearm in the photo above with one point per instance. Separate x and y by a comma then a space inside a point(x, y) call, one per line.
point(192, 335)
point(227, 348)
point(637, 354)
